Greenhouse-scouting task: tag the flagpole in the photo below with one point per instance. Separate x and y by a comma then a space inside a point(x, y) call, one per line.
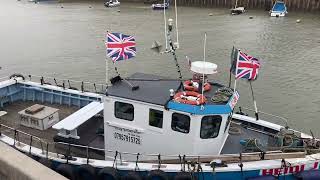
point(232, 63)
point(173, 48)
point(204, 60)
point(235, 79)
point(107, 72)
point(254, 102)
point(230, 79)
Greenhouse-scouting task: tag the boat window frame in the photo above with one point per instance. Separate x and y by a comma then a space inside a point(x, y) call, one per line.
point(115, 110)
point(156, 111)
point(218, 132)
point(229, 119)
point(189, 121)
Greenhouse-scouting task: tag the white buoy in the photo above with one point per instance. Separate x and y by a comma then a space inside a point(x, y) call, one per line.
point(298, 20)
point(119, 10)
point(210, 14)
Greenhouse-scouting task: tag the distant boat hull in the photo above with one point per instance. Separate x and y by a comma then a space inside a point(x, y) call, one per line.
point(277, 14)
point(238, 10)
point(160, 6)
point(113, 4)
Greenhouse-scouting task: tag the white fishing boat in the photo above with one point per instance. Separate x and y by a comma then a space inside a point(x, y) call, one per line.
point(147, 126)
point(279, 9)
point(112, 3)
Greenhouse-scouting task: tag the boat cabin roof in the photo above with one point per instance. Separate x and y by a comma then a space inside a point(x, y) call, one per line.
point(152, 89)
point(156, 90)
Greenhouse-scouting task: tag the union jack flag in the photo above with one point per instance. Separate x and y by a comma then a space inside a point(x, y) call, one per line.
point(247, 67)
point(120, 46)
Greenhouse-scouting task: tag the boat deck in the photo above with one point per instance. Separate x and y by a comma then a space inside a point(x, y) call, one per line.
point(233, 146)
point(87, 131)
point(91, 137)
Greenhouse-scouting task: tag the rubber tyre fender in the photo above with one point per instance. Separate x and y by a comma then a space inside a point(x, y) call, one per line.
point(108, 173)
point(308, 175)
point(268, 177)
point(15, 75)
point(159, 174)
point(45, 162)
point(183, 176)
point(86, 172)
point(131, 176)
point(66, 171)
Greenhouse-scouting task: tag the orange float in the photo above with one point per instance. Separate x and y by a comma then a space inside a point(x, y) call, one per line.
point(188, 85)
point(184, 97)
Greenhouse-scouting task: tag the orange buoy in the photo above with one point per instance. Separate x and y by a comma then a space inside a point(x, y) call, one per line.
point(188, 85)
point(190, 97)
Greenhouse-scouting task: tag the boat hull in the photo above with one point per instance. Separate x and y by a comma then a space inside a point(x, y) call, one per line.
point(254, 169)
point(278, 14)
point(287, 173)
point(237, 11)
point(159, 6)
point(112, 4)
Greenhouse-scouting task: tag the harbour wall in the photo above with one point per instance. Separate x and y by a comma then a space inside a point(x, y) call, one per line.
point(16, 166)
point(292, 5)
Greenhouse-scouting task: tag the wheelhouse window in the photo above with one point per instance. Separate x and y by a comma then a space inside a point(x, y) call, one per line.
point(124, 111)
point(180, 123)
point(155, 118)
point(210, 126)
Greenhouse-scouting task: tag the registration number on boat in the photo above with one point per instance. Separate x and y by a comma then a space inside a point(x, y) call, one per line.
point(132, 138)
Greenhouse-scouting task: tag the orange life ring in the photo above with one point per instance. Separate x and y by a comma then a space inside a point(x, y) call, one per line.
point(182, 97)
point(188, 85)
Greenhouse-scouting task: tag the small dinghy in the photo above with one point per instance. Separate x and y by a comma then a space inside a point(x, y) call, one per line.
point(279, 9)
point(237, 10)
point(160, 6)
point(112, 3)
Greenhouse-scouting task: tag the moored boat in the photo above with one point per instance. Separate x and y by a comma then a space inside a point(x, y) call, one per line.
point(279, 9)
point(160, 6)
point(237, 10)
point(140, 114)
point(150, 126)
point(112, 3)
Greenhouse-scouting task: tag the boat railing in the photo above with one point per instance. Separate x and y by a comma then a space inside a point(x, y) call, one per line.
point(83, 86)
point(275, 117)
point(50, 150)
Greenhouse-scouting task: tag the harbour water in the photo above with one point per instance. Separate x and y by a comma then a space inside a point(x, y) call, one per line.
point(46, 39)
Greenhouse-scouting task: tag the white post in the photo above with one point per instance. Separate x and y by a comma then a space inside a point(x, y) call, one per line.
point(165, 24)
point(177, 32)
point(204, 60)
